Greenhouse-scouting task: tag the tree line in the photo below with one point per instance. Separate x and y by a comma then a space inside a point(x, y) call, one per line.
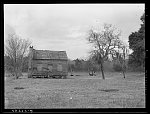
point(137, 44)
point(77, 65)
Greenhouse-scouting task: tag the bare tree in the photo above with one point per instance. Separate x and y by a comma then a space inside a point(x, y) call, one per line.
point(16, 49)
point(105, 42)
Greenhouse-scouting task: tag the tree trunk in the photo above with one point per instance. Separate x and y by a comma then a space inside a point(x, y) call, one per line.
point(124, 70)
point(16, 74)
point(20, 69)
point(123, 73)
point(102, 70)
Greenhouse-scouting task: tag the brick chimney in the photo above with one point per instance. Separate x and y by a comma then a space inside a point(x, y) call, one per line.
point(30, 56)
point(31, 51)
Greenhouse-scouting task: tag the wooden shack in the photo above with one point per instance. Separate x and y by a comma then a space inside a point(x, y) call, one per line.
point(46, 63)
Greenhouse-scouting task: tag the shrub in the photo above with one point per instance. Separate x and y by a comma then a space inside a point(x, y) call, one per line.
point(117, 67)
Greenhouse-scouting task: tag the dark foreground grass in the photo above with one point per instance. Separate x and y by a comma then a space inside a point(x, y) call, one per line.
point(81, 91)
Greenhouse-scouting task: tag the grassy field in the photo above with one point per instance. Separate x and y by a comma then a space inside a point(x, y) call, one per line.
point(78, 91)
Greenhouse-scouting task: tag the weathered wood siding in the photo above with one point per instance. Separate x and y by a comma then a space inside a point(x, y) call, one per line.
point(54, 63)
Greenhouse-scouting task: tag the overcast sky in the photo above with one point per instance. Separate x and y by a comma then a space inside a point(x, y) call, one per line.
point(65, 26)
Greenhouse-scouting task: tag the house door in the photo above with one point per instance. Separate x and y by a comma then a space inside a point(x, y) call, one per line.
point(59, 67)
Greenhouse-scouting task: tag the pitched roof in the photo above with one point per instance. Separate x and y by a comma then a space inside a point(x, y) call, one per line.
point(47, 54)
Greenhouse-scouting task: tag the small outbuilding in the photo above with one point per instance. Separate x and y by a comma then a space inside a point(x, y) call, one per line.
point(46, 63)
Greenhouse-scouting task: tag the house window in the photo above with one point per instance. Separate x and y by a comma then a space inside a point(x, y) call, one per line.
point(59, 67)
point(50, 68)
point(34, 69)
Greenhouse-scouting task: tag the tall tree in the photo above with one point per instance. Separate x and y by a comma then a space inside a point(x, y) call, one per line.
point(16, 49)
point(137, 44)
point(78, 64)
point(105, 42)
point(121, 57)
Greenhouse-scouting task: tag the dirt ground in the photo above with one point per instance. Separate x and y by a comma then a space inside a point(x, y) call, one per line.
point(78, 91)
